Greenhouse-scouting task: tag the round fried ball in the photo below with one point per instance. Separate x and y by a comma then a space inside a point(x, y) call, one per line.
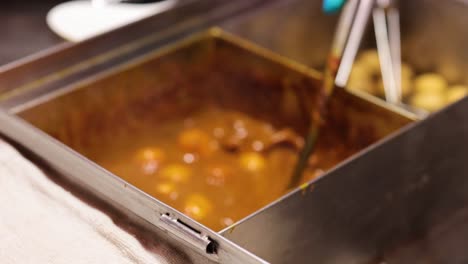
point(176, 173)
point(456, 93)
point(197, 206)
point(428, 101)
point(370, 58)
point(195, 141)
point(406, 71)
point(430, 83)
point(252, 161)
point(150, 154)
point(406, 88)
point(360, 79)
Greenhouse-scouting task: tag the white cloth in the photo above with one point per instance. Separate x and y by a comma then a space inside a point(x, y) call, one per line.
point(40, 222)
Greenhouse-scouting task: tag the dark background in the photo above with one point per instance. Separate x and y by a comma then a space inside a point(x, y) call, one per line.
point(23, 29)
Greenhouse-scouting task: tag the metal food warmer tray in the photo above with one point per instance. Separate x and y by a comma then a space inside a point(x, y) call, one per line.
point(70, 70)
point(403, 201)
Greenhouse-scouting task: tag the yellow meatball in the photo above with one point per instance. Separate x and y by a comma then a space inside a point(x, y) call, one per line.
point(370, 58)
point(151, 154)
point(150, 159)
point(362, 86)
point(196, 141)
point(176, 173)
point(360, 79)
point(252, 161)
point(197, 206)
point(406, 71)
point(428, 101)
point(430, 82)
point(406, 88)
point(456, 93)
point(359, 71)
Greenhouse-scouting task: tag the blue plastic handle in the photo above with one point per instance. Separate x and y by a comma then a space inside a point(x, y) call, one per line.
point(332, 6)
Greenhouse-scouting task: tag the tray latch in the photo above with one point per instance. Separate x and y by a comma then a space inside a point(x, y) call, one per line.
point(189, 234)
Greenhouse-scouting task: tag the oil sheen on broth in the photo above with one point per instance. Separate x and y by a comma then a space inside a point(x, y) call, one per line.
point(217, 166)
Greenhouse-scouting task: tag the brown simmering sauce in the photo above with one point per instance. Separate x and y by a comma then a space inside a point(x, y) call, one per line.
point(217, 166)
point(210, 128)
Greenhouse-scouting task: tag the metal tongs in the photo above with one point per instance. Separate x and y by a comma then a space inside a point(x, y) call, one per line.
point(347, 40)
point(353, 21)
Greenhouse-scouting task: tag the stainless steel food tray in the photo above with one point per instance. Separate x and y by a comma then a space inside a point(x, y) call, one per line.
point(403, 201)
point(368, 121)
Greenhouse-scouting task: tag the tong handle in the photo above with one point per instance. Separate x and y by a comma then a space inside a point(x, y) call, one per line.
point(348, 37)
point(387, 33)
point(352, 34)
